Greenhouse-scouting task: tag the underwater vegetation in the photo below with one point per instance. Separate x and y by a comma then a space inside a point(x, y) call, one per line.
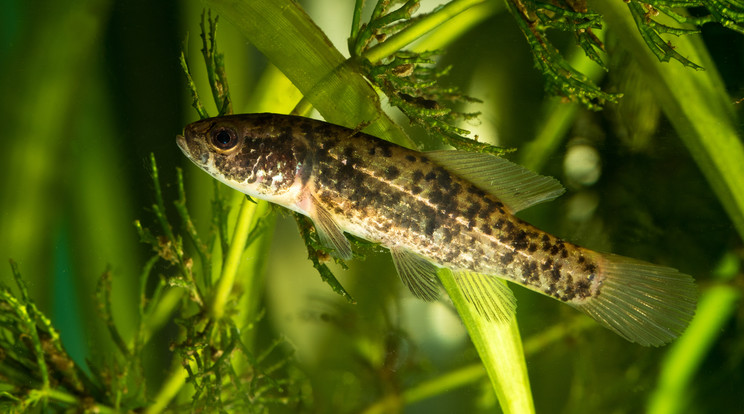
point(137, 283)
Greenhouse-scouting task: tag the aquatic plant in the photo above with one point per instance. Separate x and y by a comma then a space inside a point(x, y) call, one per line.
point(186, 323)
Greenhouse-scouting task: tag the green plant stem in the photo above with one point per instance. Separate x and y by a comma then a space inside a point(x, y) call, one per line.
point(172, 385)
point(252, 270)
point(57, 395)
point(500, 348)
point(232, 260)
point(439, 385)
point(695, 102)
point(559, 117)
point(356, 19)
point(540, 341)
point(456, 26)
point(475, 372)
point(417, 29)
point(70, 400)
point(169, 302)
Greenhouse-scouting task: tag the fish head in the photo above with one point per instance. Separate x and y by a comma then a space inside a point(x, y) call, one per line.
point(247, 152)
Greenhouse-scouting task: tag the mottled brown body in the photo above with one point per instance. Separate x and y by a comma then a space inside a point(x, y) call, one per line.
point(449, 208)
point(404, 199)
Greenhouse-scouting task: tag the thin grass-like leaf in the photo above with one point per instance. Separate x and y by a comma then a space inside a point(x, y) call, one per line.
point(500, 348)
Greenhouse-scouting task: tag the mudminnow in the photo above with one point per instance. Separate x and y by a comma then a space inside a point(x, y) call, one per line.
point(437, 209)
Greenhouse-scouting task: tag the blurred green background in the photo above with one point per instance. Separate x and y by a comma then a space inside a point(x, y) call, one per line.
point(92, 87)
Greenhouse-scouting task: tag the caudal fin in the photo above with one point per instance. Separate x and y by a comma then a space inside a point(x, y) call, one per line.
point(642, 302)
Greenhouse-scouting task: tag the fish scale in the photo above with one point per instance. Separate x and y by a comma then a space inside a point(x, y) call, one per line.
point(439, 209)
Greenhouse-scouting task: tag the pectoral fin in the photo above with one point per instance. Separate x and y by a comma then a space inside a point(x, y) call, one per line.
point(516, 186)
point(418, 274)
point(490, 296)
point(330, 235)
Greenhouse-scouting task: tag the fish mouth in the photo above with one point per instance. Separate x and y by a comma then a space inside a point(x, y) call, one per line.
point(200, 158)
point(181, 142)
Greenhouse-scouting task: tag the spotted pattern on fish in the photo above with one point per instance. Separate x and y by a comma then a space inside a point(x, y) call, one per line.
point(405, 199)
point(439, 207)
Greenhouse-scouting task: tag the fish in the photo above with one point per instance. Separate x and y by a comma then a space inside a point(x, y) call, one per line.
point(437, 209)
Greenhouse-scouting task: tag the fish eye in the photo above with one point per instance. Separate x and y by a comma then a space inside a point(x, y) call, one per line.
point(224, 138)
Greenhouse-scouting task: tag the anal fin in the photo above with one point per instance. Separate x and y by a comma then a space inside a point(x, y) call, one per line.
point(418, 274)
point(490, 296)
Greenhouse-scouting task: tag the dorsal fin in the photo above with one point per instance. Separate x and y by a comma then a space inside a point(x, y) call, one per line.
point(514, 185)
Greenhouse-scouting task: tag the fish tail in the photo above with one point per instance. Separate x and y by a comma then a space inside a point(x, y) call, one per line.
point(642, 302)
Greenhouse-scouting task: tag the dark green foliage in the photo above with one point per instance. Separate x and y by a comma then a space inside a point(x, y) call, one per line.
point(37, 372)
point(176, 356)
point(226, 373)
point(215, 63)
point(34, 360)
point(651, 31)
point(535, 18)
point(410, 80)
